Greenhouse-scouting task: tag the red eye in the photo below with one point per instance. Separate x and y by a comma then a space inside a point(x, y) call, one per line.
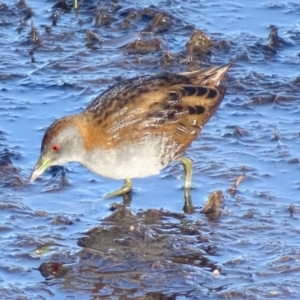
point(55, 148)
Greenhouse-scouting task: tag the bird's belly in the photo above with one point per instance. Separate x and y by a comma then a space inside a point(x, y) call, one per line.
point(133, 160)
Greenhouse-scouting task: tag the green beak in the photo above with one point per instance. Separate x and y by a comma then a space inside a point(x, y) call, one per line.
point(42, 165)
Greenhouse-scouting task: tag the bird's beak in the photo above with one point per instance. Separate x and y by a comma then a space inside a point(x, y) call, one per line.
point(42, 165)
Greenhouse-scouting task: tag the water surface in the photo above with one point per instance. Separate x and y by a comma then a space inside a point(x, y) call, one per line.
point(64, 242)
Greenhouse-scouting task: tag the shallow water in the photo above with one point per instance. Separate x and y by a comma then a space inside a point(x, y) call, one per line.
point(60, 240)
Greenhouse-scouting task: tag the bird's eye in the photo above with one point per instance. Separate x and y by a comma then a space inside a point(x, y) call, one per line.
point(55, 148)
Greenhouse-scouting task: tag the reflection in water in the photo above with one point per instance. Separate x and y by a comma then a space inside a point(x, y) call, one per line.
point(131, 252)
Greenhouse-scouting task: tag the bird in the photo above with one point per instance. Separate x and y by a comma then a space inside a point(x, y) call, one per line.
point(137, 127)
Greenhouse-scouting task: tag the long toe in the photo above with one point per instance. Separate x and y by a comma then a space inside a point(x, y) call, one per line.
point(127, 187)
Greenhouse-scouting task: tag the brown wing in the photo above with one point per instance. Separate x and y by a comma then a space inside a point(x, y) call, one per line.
point(160, 105)
point(178, 111)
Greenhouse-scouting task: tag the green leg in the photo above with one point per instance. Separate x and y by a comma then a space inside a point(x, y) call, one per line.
point(188, 207)
point(188, 169)
point(127, 187)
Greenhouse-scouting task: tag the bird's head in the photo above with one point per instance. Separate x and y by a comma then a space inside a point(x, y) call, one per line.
point(61, 143)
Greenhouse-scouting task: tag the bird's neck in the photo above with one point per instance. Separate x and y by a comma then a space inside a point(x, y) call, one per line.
point(92, 135)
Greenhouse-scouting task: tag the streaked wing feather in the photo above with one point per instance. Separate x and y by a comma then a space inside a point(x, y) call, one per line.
point(176, 106)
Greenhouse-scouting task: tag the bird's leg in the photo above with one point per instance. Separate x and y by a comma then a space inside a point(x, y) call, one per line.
point(188, 207)
point(127, 187)
point(188, 168)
